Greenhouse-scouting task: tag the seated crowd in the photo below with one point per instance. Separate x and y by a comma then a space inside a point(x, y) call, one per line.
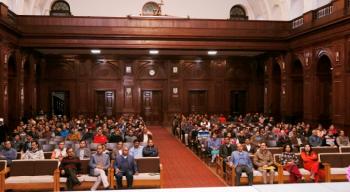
point(84, 138)
point(236, 139)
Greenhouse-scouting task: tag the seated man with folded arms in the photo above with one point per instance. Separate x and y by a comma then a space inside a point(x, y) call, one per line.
point(241, 161)
point(60, 152)
point(83, 152)
point(150, 150)
point(99, 164)
point(263, 159)
point(8, 153)
point(125, 165)
point(226, 150)
point(34, 152)
point(70, 166)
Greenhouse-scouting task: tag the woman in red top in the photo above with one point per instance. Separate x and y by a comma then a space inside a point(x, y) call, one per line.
point(100, 138)
point(310, 159)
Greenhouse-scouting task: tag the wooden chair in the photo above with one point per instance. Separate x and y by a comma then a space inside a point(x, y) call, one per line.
point(31, 174)
point(150, 173)
point(335, 165)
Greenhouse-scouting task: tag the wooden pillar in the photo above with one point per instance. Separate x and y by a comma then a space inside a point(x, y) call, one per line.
point(268, 86)
point(20, 59)
point(4, 53)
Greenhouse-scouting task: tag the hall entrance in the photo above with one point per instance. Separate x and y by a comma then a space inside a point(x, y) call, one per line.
point(198, 102)
point(105, 100)
point(60, 103)
point(152, 110)
point(238, 102)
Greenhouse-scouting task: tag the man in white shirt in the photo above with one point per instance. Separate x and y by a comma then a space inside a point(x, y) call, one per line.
point(34, 152)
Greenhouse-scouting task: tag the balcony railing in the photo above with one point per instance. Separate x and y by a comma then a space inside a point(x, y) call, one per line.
point(324, 11)
point(297, 22)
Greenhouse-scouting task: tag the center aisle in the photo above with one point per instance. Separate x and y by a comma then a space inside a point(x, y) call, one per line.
point(181, 168)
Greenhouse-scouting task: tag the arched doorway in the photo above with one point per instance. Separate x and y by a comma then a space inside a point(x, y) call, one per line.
point(324, 90)
point(297, 91)
point(276, 91)
point(12, 93)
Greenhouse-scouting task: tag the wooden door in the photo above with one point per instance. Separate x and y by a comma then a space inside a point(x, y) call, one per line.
point(197, 101)
point(105, 103)
point(152, 107)
point(238, 102)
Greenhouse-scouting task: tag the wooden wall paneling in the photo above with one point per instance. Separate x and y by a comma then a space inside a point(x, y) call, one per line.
point(29, 86)
point(346, 102)
point(4, 82)
point(347, 55)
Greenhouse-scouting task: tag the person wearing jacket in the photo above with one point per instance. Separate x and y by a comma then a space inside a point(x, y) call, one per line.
point(150, 150)
point(125, 165)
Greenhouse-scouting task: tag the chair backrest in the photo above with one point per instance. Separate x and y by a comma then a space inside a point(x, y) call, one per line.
point(344, 149)
point(3, 164)
point(271, 143)
point(128, 145)
point(275, 150)
point(48, 147)
point(47, 155)
point(42, 141)
point(335, 160)
point(111, 146)
point(93, 146)
point(148, 164)
point(58, 138)
point(85, 169)
point(323, 149)
point(33, 167)
point(76, 146)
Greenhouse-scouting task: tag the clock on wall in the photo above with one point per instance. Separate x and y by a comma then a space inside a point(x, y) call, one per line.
point(151, 9)
point(151, 72)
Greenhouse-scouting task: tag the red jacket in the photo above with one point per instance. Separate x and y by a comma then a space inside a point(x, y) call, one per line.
point(100, 139)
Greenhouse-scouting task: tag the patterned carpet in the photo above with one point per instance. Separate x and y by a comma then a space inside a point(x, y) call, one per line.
point(181, 167)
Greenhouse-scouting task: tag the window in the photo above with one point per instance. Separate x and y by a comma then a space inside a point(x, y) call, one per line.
point(60, 8)
point(151, 9)
point(238, 13)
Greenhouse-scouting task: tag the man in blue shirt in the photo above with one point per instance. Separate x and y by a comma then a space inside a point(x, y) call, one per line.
point(241, 161)
point(136, 150)
point(8, 153)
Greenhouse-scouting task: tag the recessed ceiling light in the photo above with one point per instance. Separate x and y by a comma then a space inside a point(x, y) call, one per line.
point(153, 52)
point(212, 52)
point(95, 51)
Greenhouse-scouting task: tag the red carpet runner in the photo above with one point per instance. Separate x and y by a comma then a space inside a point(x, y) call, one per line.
point(181, 168)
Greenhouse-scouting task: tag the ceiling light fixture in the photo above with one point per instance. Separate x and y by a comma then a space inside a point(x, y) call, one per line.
point(95, 51)
point(212, 52)
point(153, 52)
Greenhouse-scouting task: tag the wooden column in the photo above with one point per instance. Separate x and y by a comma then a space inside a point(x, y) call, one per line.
point(4, 53)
